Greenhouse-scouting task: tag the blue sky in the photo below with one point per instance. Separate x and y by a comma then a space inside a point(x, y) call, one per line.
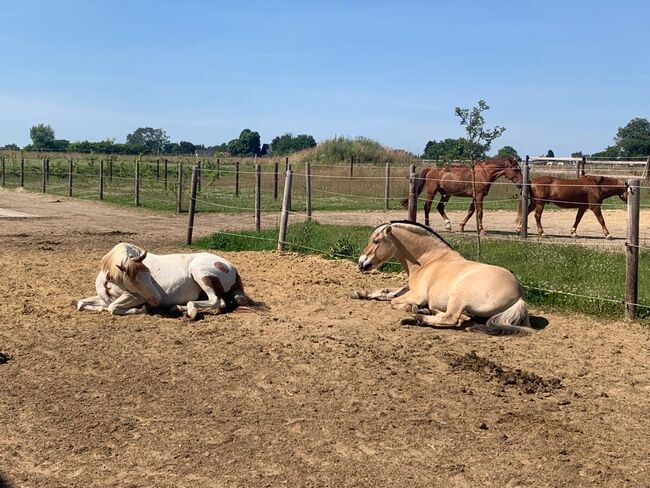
point(557, 74)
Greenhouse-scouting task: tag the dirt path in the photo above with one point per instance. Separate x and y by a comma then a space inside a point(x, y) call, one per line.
point(319, 390)
point(67, 219)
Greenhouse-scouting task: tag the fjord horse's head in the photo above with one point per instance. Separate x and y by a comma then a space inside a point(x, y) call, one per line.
point(380, 248)
point(136, 279)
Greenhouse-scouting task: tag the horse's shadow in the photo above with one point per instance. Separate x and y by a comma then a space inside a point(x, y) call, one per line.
point(537, 323)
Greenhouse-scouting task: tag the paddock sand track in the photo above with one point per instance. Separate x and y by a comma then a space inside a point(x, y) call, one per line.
point(319, 390)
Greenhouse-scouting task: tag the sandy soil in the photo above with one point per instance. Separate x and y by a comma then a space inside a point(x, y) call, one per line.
point(318, 390)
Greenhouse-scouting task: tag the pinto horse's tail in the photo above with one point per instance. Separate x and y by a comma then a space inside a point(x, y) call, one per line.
point(418, 189)
point(241, 302)
point(512, 321)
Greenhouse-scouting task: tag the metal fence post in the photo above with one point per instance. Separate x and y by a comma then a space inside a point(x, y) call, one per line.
point(632, 249)
point(137, 182)
point(22, 172)
point(308, 189)
point(276, 170)
point(101, 179)
point(258, 196)
point(179, 187)
point(284, 216)
point(413, 196)
point(387, 188)
point(43, 175)
point(237, 179)
point(70, 173)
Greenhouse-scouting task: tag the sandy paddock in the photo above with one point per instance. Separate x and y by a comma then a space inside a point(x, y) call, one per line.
point(319, 390)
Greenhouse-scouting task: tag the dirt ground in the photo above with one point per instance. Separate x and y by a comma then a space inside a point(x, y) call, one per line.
point(318, 390)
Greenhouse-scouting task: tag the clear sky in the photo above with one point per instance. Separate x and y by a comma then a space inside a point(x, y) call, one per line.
point(561, 75)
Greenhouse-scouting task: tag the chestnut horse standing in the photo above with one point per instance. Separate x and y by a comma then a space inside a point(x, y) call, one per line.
point(586, 192)
point(457, 181)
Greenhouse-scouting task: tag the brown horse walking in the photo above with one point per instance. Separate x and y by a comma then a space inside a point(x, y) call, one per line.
point(456, 181)
point(586, 192)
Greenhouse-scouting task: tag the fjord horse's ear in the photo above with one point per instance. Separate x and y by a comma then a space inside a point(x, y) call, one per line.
point(388, 229)
point(140, 258)
point(121, 268)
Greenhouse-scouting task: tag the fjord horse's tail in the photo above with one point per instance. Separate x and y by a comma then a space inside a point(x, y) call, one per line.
point(418, 188)
point(512, 321)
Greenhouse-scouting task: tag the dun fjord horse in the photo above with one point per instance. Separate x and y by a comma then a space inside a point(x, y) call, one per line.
point(440, 279)
point(457, 181)
point(586, 192)
point(130, 277)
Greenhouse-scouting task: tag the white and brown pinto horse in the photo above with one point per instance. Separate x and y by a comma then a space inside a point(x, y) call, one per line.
point(452, 288)
point(131, 278)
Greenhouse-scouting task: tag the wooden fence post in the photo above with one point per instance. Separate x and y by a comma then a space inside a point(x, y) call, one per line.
point(578, 169)
point(43, 175)
point(237, 179)
point(525, 190)
point(70, 173)
point(284, 216)
point(286, 164)
point(308, 189)
point(157, 168)
point(351, 166)
point(413, 197)
point(179, 187)
point(137, 182)
point(198, 176)
point(47, 169)
point(218, 175)
point(275, 180)
point(584, 163)
point(258, 196)
point(289, 206)
point(387, 188)
point(4, 175)
point(101, 179)
point(632, 251)
point(110, 170)
point(165, 173)
point(646, 170)
point(22, 172)
point(192, 206)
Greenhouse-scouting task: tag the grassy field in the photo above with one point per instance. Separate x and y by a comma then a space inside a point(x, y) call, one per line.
point(568, 269)
point(332, 186)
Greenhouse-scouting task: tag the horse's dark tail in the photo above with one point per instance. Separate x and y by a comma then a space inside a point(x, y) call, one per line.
point(418, 187)
point(241, 302)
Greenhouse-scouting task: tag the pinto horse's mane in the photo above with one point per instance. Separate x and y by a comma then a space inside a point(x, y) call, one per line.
point(418, 229)
point(118, 256)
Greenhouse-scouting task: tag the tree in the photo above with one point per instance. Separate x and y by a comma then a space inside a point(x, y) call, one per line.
point(248, 144)
point(577, 154)
point(634, 139)
point(148, 139)
point(478, 141)
point(507, 152)
point(287, 143)
point(447, 150)
point(186, 147)
point(10, 147)
point(42, 136)
point(550, 153)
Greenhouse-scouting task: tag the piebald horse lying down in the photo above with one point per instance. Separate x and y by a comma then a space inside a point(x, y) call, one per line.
point(130, 277)
point(441, 280)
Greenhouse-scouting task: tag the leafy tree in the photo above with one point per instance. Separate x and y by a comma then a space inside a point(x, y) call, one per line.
point(287, 143)
point(550, 153)
point(447, 150)
point(634, 139)
point(10, 147)
point(577, 154)
point(148, 139)
point(42, 136)
point(187, 147)
point(507, 152)
point(248, 144)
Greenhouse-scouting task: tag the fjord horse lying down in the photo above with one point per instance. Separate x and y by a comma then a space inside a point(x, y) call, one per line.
point(586, 192)
point(130, 279)
point(452, 288)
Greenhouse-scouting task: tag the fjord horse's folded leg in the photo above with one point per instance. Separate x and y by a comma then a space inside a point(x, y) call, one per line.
point(383, 294)
point(452, 316)
point(574, 229)
point(95, 304)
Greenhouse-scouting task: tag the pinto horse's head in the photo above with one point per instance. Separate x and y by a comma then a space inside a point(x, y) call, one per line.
point(380, 248)
point(136, 279)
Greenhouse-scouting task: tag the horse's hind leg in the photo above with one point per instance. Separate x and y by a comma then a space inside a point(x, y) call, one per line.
point(444, 198)
point(595, 208)
point(539, 209)
point(574, 229)
point(213, 289)
point(427, 206)
point(383, 294)
point(452, 316)
point(470, 212)
point(531, 207)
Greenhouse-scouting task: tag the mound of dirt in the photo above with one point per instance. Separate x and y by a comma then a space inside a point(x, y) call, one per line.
point(491, 371)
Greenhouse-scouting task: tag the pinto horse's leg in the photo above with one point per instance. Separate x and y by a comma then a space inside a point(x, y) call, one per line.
point(209, 285)
point(444, 198)
point(595, 208)
point(383, 294)
point(96, 304)
point(127, 304)
point(539, 209)
point(574, 229)
point(470, 212)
